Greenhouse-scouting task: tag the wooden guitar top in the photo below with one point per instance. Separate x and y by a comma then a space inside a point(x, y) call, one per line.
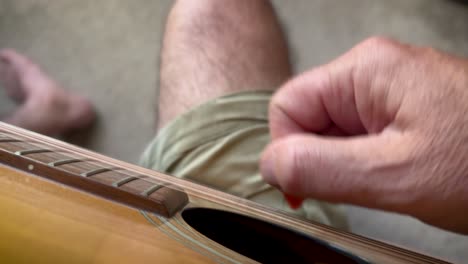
point(43, 222)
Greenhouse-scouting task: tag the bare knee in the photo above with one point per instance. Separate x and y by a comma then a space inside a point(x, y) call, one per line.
point(216, 47)
point(198, 16)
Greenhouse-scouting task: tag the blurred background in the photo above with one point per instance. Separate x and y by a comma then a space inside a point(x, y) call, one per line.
point(108, 51)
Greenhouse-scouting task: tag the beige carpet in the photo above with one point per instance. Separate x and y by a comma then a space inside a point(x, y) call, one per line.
point(107, 50)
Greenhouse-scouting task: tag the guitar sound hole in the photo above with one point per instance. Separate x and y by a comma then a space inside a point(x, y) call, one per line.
point(263, 241)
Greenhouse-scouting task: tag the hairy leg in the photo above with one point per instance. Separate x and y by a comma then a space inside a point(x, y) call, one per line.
point(43, 105)
point(216, 47)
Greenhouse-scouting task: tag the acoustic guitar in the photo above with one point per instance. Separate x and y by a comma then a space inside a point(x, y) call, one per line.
point(63, 204)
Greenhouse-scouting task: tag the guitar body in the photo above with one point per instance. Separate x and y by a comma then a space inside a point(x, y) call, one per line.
point(44, 222)
point(63, 204)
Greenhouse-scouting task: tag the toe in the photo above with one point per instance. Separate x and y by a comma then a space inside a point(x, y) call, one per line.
point(10, 56)
point(17, 61)
point(11, 64)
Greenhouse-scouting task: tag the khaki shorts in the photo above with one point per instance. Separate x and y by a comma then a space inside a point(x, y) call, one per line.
point(218, 144)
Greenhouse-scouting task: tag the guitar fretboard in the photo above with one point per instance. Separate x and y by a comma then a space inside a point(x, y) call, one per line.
point(87, 174)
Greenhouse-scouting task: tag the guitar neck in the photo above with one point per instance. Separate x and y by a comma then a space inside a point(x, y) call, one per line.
point(65, 164)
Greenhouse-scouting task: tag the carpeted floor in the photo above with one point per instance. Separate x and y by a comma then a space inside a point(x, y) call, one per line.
point(108, 50)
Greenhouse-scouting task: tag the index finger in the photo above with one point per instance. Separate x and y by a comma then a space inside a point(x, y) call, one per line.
point(316, 101)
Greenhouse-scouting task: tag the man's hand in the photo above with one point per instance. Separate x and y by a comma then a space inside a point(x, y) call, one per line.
point(384, 126)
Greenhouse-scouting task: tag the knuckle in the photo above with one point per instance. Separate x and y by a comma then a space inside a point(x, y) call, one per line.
point(379, 42)
point(430, 53)
point(430, 50)
point(382, 47)
point(380, 54)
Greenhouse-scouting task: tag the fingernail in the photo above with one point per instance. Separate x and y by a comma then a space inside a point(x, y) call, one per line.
point(266, 168)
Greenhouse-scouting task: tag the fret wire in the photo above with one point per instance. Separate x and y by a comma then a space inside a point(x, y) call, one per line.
point(151, 190)
point(8, 140)
point(91, 164)
point(144, 178)
point(97, 171)
point(65, 161)
point(124, 181)
point(32, 151)
point(130, 178)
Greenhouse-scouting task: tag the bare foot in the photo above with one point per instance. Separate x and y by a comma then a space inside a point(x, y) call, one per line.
point(44, 106)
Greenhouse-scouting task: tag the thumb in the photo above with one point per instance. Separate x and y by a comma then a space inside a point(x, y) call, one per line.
point(365, 170)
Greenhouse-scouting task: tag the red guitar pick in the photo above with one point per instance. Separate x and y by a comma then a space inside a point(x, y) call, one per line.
point(294, 202)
